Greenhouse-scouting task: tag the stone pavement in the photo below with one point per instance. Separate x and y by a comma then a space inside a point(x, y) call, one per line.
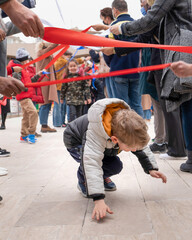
point(41, 200)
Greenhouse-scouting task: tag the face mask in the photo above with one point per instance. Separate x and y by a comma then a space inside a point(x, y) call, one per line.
point(105, 23)
point(143, 11)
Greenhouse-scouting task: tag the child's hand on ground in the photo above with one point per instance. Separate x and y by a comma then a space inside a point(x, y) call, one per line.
point(157, 174)
point(100, 210)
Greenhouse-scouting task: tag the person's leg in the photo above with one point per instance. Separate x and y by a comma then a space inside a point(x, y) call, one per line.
point(44, 113)
point(186, 111)
point(75, 153)
point(159, 122)
point(79, 111)
point(57, 112)
point(63, 111)
point(111, 166)
point(33, 116)
point(72, 113)
point(174, 132)
point(43, 117)
point(135, 96)
point(120, 88)
point(108, 85)
point(25, 119)
point(3, 119)
point(159, 145)
point(68, 113)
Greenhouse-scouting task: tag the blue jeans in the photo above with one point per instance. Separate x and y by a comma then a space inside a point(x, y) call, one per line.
point(111, 165)
point(147, 114)
point(127, 90)
point(108, 86)
point(186, 114)
point(44, 113)
point(57, 112)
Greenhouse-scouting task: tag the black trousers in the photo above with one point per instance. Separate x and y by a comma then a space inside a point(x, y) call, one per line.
point(75, 111)
point(173, 124)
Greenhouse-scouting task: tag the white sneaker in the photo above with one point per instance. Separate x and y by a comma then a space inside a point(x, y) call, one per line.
point(165, 156)
point(3, 171)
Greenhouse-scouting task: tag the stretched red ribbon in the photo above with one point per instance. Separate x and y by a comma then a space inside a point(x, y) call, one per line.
point(45, 55)
point(70, 37)
point(62, 51)
point(102, 75)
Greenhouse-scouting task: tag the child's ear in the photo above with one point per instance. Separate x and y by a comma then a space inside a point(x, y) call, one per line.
point(114, 139)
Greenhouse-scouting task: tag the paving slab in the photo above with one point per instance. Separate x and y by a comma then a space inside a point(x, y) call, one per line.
point(42, 202)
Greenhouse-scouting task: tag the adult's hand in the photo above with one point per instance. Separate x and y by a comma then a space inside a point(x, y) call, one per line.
point(99, 27)
point(116, 29)
point(181, 69)
point(25, 19)
point(108, 51)
point(10, 86)
point(2, 35)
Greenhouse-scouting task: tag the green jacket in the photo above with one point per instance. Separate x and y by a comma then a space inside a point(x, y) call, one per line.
point(75, 92)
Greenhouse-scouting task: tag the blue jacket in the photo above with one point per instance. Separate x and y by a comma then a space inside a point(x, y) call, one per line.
point(125, 62)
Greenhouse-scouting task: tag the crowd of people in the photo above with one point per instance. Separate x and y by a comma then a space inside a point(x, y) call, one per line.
point(104, 116)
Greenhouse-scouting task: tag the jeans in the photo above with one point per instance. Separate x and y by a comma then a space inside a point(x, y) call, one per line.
point(57, 112)
point(186, 113)
point(108, 86)
point(111, 165)
point(147, 114)
point(127, 90)
point(44, 113)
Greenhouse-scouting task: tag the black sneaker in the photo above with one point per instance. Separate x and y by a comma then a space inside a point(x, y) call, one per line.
point(1, 198)
point(109, 185)
point(156, 148)
point(2, 127)
point(4, 153)
point(82, 189)
point(186, 167)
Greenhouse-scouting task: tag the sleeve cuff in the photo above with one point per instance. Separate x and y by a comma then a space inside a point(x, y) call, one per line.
point(98, 197)
point(120, 29)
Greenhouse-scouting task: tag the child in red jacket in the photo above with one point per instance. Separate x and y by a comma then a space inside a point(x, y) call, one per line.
point(30, 116)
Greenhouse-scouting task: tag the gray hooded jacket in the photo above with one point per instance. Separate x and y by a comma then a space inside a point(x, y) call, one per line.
point(89, 132)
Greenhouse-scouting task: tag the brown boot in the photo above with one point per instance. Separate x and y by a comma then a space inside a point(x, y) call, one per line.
point(47, 129)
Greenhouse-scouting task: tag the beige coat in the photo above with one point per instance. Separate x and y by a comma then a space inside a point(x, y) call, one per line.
point(49, 92)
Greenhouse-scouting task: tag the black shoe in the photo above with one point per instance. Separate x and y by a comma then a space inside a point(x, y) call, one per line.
point(156, 148)
point(186, 167)
point(4, 153)
point(2, 127)
point(1, 198)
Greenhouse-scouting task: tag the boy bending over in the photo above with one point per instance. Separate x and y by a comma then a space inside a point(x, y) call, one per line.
point(95, 139)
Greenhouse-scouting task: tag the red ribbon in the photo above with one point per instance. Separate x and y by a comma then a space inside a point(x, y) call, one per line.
point(70, 37)
point(102, 75)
